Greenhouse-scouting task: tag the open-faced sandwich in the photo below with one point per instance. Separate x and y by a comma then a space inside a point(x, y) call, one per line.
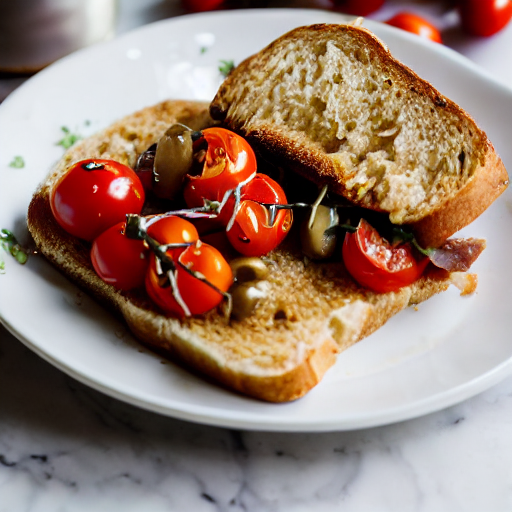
point(253, 239)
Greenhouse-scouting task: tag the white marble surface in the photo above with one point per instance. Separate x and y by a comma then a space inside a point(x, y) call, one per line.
point(65, 447)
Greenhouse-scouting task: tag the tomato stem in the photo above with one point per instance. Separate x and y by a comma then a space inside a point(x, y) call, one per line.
point(93, 166)
point(136, 227)
point(314, 206)
point(237, 192)
point(403, 236)
point(171, 277)
point(348, 227)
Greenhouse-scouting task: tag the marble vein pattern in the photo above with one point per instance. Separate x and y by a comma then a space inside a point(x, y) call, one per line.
point(65, 447)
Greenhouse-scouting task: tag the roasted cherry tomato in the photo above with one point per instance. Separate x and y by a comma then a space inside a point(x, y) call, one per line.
point(252, 233)
point(415, 24)
point(198, 296)
point(173, 230)
point(123, 261)
point(485, 17)
point(376, 264)
point(118, 260)
point(94, 195)
point(229, 161)
point(357, 7)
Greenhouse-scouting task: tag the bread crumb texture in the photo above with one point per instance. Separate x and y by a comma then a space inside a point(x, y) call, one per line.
point(306, 306)
point(395, 144)
point(311, 312)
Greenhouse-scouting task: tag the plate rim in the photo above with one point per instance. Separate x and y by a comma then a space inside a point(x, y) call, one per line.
point(425, 406)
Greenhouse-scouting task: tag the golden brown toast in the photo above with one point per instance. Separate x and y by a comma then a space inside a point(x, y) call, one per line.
point(332, 103)
point(312, 312)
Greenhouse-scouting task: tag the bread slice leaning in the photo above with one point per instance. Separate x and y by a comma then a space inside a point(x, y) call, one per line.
point(311, 313)
point(331, 102)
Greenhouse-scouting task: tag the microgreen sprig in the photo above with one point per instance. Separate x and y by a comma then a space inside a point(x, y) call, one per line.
point(17, 162)
point(226, 66)
point(68, 139)
point(401, 235)
point(9, 243)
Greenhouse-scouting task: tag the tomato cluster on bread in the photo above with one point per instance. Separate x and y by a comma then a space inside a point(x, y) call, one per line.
point(181, 273)
point(215, 172)
point(91, 201)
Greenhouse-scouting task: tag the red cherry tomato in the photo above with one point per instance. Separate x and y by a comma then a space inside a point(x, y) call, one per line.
point(485, 17)
point(94, 195)
point(201, 5)
point(357, 7)
point(197, 295)
point(123, 261)
point(173, 230)
point(376, 264)
point(229, 161)
point(252, 233)
point(118, 260)
point(415, 24)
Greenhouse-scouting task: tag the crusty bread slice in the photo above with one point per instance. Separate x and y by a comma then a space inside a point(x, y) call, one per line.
point(331, 102)
point(312, 311)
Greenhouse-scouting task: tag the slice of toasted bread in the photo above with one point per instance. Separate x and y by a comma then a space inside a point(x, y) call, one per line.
point(332, 103)
point(311, 313)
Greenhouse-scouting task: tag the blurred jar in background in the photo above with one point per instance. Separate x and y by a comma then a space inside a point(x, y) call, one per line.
point(34, 33)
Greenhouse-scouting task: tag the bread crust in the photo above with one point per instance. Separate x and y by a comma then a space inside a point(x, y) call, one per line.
point(487, 183)
point(270, 357)
point(292, 148)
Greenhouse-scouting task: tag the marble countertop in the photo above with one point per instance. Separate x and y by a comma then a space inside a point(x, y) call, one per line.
point(66, 447)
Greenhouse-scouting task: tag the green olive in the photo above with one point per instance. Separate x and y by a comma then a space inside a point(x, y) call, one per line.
point(317, 235)
point(249, 286)
point(248, 269)
point(173, 160)
point(245, 297)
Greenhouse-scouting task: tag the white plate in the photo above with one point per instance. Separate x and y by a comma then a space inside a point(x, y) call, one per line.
point(419, 362)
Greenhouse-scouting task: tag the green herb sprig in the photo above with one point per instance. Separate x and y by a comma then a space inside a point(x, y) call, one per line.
point(226, 66)
point(9, 243)
point(17, 162)
point(404, 236)
point(69, 138)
